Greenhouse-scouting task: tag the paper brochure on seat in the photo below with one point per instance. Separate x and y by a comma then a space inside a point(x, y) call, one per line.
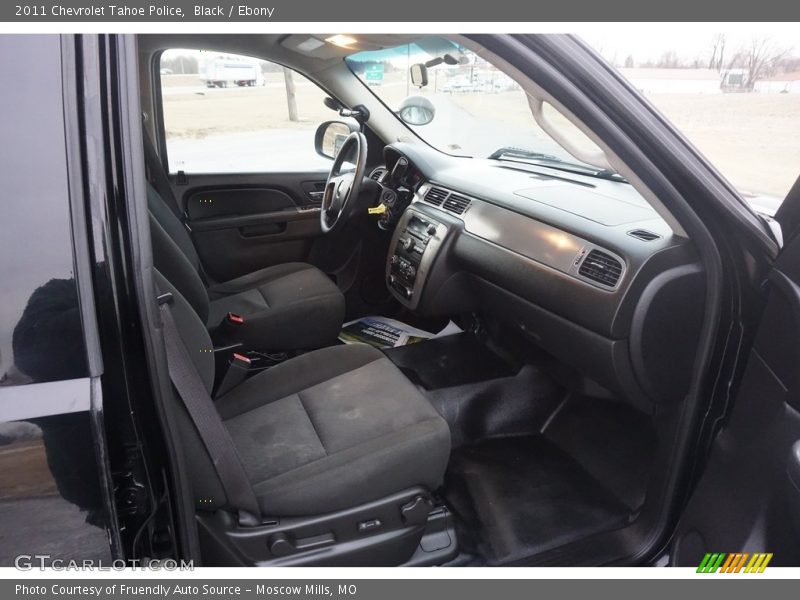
point(383, 332)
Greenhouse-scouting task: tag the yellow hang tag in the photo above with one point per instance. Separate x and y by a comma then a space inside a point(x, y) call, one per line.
point(377, 210)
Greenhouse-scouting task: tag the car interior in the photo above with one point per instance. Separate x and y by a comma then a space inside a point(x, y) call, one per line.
point(537, 429)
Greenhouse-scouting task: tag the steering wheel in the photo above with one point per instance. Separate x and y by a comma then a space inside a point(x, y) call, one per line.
point(341, 189)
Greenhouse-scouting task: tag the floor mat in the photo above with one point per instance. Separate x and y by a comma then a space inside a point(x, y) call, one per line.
point(515, 405)
point(519, 496)
point(613, 442)
point(532, 467)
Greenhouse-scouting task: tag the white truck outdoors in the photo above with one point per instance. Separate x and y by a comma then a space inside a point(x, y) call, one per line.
point(228, 71)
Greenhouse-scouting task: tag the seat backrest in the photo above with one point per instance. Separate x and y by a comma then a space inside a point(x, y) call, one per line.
point(157, 205)
point(174, 254)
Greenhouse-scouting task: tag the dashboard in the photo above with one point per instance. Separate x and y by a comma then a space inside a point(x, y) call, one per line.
point(581, 266)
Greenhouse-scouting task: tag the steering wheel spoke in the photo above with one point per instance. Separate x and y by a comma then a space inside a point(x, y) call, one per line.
point(343, 186)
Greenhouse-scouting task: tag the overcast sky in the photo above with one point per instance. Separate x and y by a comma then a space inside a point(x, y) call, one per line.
point(649, 41)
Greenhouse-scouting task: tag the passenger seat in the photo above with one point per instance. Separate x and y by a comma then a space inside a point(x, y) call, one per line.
point(291, 306)
point(340, 448)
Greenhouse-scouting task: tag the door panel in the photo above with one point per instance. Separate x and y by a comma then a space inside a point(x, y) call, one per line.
point(244, 222)
point(204, 204)
point(747, 499)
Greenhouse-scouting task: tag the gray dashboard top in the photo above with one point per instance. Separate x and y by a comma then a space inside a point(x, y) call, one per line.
point(599, 210)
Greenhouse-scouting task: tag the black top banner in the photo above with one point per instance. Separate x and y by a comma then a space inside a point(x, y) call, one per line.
point(451, 11)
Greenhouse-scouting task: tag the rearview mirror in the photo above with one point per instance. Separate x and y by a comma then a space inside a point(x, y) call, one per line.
point(330, 136)
point(417, 110)
point(419, 75)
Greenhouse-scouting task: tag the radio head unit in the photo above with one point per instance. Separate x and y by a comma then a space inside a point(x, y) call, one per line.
point(414, 246)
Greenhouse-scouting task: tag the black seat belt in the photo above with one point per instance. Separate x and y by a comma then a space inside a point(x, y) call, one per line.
point(157, 176)
point(200, 406)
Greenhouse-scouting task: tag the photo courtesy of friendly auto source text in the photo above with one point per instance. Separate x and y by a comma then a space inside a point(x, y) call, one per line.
point(180, 590)
point(351, 287)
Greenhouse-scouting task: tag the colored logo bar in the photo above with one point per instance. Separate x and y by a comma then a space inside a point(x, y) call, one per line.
point(738, 562)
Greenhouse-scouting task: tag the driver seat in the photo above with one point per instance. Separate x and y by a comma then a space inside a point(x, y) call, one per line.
point(291, 306)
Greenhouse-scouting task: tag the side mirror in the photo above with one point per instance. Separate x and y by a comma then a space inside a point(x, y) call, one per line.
point(419, 75)
point(417, 110)
point(330, 136)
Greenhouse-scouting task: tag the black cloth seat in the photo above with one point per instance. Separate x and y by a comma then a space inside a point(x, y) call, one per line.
point(325, 431)
point(332, 429)
point(285, 307)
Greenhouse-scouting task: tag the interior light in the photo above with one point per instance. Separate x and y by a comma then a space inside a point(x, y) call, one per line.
point(310, 45)
point(345, 41)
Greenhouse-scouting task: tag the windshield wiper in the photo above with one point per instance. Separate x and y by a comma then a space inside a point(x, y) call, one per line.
point(520, 154)
point(509, 152)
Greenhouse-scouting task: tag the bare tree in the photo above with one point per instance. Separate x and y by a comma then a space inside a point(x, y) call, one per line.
point(788, 64)
point(717, 51)
point(669, 60)
point(759, 59)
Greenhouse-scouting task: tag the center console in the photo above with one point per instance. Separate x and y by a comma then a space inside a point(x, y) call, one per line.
point(415, 244)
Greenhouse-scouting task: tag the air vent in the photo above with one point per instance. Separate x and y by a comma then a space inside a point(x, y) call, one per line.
point(436, 196)
point(378, 174)
point(602, 268)
point(456, 204)
point(643, 234)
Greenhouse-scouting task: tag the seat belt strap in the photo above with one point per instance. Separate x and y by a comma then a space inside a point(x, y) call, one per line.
point(157, 176)
point(204, 415)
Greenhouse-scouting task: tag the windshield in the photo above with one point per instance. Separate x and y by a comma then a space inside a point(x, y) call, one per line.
point(736, 97)
point(479, 110)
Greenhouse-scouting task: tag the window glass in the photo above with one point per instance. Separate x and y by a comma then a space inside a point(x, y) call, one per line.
point(734, 94)
point(472, 107)
point(226, 113)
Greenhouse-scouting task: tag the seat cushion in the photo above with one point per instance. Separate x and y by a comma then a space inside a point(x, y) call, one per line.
point(332, 429)
point(286, 307)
